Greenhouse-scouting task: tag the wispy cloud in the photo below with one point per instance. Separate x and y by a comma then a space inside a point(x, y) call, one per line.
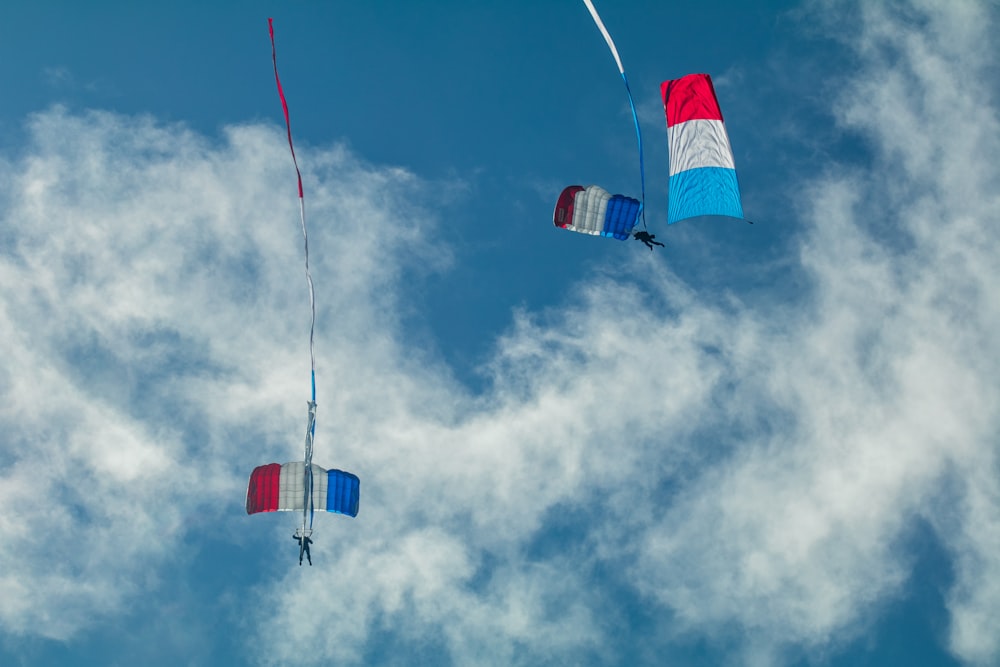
point(62, 78)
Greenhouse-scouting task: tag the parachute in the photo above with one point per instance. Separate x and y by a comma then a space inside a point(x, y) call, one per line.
point(702, 177)
point(281, 488)
point(591, 209)
point(594, 210)
point(702, 169)
point(302, 485)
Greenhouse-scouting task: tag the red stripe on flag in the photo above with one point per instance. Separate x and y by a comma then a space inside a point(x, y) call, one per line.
point(690, 97)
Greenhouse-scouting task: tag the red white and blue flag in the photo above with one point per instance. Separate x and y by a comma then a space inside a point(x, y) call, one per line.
point(702, 170)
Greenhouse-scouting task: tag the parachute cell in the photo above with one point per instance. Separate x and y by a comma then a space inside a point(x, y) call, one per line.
point(702, 169)
point(593, 210)
point(281, 488)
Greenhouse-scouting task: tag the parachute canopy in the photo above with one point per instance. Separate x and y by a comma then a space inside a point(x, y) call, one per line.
point(702, 170)
point(593, 210)
point(281, 488)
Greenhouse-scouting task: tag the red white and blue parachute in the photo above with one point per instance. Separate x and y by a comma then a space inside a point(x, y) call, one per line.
point(702, 169)
point(592, 209)
point(281, 488)
point(302, 485)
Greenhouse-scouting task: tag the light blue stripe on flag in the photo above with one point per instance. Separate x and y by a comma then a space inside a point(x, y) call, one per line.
point(704, 191)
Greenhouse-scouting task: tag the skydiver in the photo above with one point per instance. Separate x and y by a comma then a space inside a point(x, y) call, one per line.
point(647, 238)
point(303, 548)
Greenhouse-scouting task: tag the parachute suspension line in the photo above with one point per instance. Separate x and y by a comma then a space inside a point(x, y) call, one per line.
point(628, 90)
point(302, 217)
point(307, 506)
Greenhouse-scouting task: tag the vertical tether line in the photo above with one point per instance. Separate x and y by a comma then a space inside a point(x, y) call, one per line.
point(307, 509)
point(302, 210)
point(635, 117)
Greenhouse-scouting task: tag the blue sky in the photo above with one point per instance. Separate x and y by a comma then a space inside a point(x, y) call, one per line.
point(760, 445)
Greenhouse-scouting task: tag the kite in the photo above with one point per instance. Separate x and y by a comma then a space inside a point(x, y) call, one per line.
point(302, 485)
point(592, 209)
point(702, 169)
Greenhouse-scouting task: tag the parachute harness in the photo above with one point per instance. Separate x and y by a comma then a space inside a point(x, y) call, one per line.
point(305, 530)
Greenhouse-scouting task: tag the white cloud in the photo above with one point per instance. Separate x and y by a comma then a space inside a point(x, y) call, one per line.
point(748, 472)
point(150, 304)
point(888, 376)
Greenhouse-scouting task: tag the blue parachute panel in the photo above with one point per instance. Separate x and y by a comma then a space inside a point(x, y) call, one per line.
point(343, 492)
point(704, 191)
point(621, 217)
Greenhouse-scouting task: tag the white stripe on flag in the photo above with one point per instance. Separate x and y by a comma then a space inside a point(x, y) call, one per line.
point(699, 143)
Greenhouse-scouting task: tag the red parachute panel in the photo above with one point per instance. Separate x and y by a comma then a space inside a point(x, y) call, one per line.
point(262, 492)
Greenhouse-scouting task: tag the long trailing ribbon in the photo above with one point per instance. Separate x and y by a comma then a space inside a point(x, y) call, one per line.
point(302, 210)
point(307, 509)
point(628, 90)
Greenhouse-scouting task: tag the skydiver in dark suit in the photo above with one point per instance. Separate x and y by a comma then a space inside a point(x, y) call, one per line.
point(647, 238)
point(304, 543)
